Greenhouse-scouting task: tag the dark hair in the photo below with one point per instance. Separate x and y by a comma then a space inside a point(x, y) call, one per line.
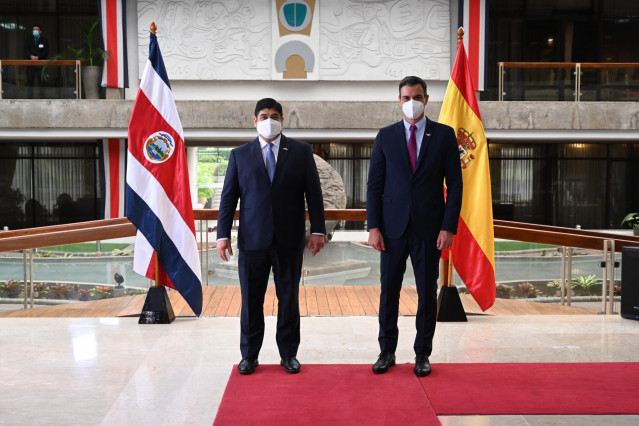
point(268, 103)
point(412, 81)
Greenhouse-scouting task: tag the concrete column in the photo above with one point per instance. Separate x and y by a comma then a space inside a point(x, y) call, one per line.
point(191, 161)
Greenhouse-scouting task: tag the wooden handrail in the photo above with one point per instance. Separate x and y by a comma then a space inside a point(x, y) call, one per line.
point(570, 64)
point(538, 64)
point(609, 65)
point(39, 62)
point(330, 214)
point(64, 227)
point(550, 228)
point(116, 228)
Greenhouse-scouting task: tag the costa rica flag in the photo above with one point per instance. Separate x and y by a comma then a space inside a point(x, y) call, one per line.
point(158, 200)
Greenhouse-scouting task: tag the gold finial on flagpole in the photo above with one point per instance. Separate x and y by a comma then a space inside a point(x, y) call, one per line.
point(460, 33)
point(153, 28)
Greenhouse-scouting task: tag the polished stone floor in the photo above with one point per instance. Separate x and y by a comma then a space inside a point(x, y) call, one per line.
point(112, 371)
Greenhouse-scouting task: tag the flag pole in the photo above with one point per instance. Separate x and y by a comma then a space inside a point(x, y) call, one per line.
point(448, 263)
point(449, 304)
point(443, 272)
point(153, 28)
point(157, 268)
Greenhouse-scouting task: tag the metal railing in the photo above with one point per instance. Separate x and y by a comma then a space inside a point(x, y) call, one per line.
point(567, 238)
point(559, 81)
point(18, 83)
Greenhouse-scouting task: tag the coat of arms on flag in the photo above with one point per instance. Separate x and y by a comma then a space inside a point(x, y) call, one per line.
point(158, 200)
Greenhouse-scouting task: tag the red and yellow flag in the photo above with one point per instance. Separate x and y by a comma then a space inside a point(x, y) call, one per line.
point(474, 246)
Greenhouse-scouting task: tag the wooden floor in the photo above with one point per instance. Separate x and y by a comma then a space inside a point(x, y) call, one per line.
point(314, 301)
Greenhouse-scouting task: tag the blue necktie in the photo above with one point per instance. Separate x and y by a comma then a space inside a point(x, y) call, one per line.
point(270, 161)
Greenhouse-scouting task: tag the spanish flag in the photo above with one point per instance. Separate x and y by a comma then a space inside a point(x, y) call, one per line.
point(473, 250)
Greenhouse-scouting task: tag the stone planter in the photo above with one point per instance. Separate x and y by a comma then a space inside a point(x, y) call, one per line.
point(91, 81)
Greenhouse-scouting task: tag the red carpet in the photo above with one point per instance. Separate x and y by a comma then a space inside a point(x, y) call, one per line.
point(338, 394)
point(325, 395)
point(537, 388)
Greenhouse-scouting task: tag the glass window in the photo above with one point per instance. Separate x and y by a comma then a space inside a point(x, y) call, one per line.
point(48, 183)
point(61, 23)
point(211, 170)
point(620, 9)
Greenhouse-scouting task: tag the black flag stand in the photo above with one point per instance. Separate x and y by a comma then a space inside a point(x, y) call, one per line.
point(157, 306)
point(449, 304)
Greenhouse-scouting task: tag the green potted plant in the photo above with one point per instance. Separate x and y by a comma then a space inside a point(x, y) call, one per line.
point(631, 221)
point(503, 291)
point(92, 58)
point(587, 284)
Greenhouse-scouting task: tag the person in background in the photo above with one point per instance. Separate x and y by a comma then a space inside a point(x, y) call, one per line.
point(36, 47)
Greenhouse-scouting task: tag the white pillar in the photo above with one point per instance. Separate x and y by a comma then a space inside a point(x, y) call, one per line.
point(191, 160)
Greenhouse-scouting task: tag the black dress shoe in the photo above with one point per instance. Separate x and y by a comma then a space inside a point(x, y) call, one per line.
point(384, 362)
point(247, 365)
point(422, 366)
point(291, 365)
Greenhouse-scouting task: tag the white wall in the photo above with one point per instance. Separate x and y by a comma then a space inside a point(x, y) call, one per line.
point(381, 48)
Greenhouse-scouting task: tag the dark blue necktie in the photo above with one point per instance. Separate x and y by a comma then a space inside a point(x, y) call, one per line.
point(270, 161)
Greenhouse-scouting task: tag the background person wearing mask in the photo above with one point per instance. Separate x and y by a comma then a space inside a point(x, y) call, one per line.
point(36, 47)
point(271, 176)
point(407, 215)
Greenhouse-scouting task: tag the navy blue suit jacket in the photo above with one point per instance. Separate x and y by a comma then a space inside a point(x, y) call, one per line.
point(272, 212)
point(395, 195)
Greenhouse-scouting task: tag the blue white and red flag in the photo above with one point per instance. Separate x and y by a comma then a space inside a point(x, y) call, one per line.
point(113, 24)
point(112, 153)
point(158, 200)
point(473, 15)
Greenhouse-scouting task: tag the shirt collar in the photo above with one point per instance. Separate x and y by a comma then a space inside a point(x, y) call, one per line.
point(276, 142)
point(420, 124)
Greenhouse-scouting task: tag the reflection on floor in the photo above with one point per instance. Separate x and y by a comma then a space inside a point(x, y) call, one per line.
point(112, 371)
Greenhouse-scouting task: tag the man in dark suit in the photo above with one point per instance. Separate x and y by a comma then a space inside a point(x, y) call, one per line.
point(407, 215)
point(271, 176)
point(36, 47)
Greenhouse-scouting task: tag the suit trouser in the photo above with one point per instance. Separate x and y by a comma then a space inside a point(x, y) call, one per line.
point(254, 269)
point(424, 257)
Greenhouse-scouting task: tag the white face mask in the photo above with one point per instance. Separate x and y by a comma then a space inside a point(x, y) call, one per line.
point(413, 109)
point(269, 128)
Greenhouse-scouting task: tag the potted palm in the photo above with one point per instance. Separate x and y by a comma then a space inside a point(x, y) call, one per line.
point(92, 58)
point(631, 221)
